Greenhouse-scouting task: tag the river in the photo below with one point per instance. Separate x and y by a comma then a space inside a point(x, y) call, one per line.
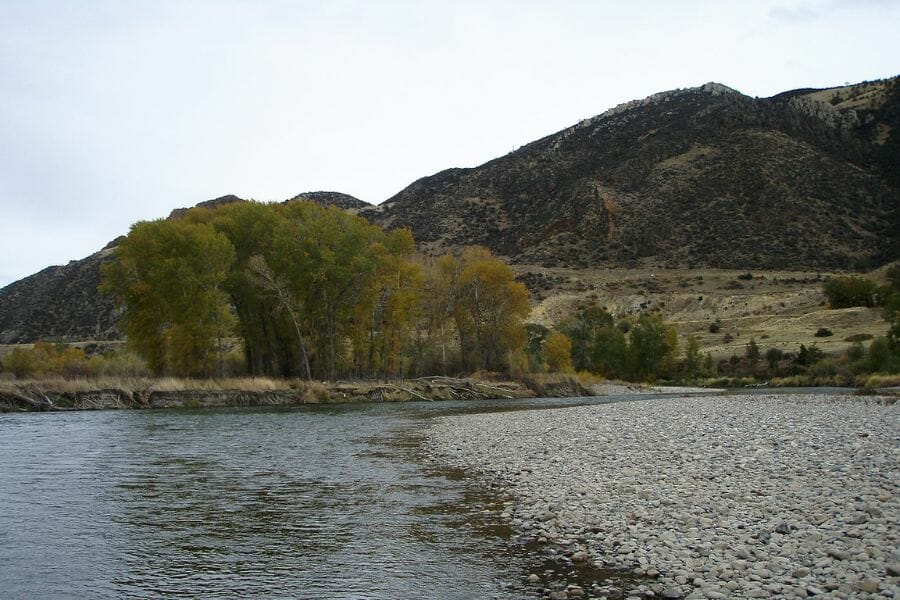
point(311, 502)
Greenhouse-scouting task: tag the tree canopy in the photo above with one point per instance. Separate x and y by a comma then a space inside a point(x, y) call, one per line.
point(310, 292)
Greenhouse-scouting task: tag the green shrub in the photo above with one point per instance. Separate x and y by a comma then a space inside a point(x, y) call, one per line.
point(846, 292)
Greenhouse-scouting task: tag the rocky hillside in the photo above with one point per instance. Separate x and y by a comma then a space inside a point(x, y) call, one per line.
point(703, 177)
point(59, 303)
point(344, 201)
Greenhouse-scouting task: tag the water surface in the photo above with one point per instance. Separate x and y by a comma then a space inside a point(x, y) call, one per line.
point(312, 502)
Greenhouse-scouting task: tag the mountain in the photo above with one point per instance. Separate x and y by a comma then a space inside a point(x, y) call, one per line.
point(59, 303)
point(703, 177)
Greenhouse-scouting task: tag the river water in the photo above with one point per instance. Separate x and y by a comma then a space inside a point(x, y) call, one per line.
point(311, 502)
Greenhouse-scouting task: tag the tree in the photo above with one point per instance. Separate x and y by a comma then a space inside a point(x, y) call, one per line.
point(692, 359)
point(773, 357)
point(752, 353)
point(489, 310)
point(168, 278)
point(878, 357)
point(808, 356)
point(435, 350)
point(583, 330)
point(534, 347)
point(708, 366)
point(609, 352)
point(558, 352)
point(287, 300)
point(652, 345)
point(388, 309)
point(891, 314)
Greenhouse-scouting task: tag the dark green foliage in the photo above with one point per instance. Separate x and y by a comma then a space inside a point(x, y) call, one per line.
point(609, 352)
point(644, 350)
point(716, 326)
point(773, 358)
point(891, 309)
point(808, 356)
point(881, 358)
point(651, 345)
point(856, 352)
point(752, 352)
point(846, 292)
point(692, 365)
point(823, 332)
point(583, 330)
point(534, 347)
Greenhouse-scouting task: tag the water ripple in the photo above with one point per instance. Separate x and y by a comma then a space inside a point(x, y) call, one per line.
point(223, 504)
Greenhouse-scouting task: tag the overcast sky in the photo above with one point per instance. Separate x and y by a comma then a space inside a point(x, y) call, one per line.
point(117, 111)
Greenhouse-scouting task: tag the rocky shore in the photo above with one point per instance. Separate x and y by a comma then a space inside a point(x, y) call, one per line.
point(766, 496)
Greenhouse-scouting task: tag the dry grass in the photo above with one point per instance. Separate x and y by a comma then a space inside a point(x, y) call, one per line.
point(781, 309)
point(165, 384)
point(883, 381)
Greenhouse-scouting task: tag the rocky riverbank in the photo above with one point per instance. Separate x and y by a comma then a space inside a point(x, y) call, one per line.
point(773, 496)
point(142, 394)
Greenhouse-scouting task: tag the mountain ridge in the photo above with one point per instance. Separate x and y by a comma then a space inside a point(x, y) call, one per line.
point(596, 170)
point(702, 177)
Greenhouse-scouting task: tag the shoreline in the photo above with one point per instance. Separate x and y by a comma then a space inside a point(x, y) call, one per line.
point(708, 497)
point(60, 395)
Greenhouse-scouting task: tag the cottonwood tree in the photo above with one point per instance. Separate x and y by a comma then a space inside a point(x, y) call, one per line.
point(558, 352)
point(652, 347)
point(489, 310)
point(168, 279)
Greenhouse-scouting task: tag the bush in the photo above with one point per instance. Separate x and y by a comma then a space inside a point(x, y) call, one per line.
point(715, 327)
point(859, 337)
point(846, 292)
point(823, 332)
point(746, 276)
point(880, 358)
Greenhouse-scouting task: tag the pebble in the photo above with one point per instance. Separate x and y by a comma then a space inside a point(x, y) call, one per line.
point(720, 496)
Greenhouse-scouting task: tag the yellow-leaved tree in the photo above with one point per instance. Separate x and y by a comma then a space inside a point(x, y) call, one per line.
point(490, 307)
point(558, 352)
point(168, 279)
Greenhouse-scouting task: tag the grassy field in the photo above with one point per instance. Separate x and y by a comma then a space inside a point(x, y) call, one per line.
point(780, 309)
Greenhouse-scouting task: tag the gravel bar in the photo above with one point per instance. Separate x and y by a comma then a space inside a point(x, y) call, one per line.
point(762, 496)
